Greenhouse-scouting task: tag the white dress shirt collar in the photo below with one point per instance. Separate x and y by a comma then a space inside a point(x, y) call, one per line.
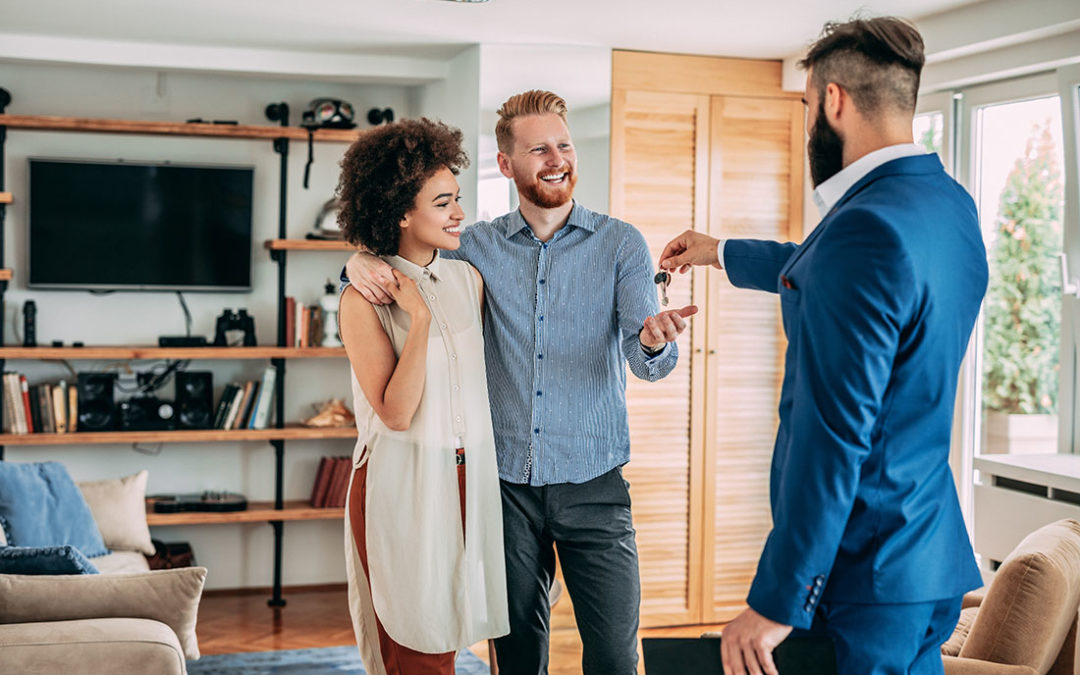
point(828, 193)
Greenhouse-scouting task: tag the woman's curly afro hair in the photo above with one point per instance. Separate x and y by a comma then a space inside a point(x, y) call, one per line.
point(384, 171)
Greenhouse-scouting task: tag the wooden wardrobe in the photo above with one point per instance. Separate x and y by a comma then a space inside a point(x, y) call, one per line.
point(713, 145)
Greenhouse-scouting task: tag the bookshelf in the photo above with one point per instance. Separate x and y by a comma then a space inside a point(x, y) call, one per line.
point(256, 512)
point(275, 512)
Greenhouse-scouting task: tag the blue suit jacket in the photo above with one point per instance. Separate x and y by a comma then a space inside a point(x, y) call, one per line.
point(878, 304)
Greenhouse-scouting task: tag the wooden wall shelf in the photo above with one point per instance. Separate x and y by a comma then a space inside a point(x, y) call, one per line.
point(109, 126)
point(136, 353)
point(307, 245)
point(257, 512)
point(289, 433)
point(5, 197)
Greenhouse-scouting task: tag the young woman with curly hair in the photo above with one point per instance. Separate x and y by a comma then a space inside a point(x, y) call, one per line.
point(423, 534)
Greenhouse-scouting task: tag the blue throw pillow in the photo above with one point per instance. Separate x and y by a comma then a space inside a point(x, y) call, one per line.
point(41, 506)
point(49, 560)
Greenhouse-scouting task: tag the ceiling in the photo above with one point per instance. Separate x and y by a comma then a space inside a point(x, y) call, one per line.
point(437, 28)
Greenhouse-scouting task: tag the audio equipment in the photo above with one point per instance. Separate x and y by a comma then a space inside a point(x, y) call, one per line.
point(97, 407)
point(194, 399)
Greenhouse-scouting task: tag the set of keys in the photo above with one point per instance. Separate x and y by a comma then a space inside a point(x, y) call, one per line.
point(662, 279)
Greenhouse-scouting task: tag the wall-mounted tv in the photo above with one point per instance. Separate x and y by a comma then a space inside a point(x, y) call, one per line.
point(138, 226)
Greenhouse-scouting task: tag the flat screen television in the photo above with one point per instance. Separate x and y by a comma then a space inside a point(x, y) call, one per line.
point(139, 226)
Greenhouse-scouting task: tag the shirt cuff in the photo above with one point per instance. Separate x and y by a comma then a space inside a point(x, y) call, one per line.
point(720, 243)
point(649, 355)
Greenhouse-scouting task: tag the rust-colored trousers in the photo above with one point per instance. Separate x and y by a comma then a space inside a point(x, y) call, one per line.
point(397, 659)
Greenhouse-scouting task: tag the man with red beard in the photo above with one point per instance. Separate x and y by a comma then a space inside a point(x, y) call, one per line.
point(570, 298)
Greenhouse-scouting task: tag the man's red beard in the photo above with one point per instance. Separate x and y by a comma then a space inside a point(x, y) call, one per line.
point(537, 192)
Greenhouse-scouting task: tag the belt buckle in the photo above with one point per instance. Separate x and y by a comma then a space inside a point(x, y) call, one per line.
point(459, 457)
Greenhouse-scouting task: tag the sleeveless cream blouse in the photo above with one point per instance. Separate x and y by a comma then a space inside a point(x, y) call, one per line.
point(433, 590)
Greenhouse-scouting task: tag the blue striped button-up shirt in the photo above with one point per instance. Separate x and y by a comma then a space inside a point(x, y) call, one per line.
point(560, 317)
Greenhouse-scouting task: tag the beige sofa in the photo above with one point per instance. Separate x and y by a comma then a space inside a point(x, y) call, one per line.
point(1025, 621)
point(127, 619)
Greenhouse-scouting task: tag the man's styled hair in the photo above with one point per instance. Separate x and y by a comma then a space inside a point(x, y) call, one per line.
point(533, 102)
point(877, 61)
point(384, 171)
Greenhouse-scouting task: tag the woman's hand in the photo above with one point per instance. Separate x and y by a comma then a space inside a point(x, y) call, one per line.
point(408, 297)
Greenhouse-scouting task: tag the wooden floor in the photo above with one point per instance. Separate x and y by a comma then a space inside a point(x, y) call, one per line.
point(320, 618)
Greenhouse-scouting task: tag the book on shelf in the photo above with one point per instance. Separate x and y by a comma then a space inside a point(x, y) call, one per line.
point(223, 405)
point(73, 408)
point(234, 407)
point(340, 485)
point(24, 396)
point(322, 479)
point(59, 393)
point(45, 408)
point(251, 390)
point(260, 419)
point(290, 321)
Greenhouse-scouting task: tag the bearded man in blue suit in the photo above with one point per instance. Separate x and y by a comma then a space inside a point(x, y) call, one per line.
point(868, 543)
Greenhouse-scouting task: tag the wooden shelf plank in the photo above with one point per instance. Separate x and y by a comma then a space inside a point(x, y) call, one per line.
point(5, 197)
point(120, 353)
point(257, 512)
point(291, 432)
point(110, 126)
point(307, 245)
point(5, 275)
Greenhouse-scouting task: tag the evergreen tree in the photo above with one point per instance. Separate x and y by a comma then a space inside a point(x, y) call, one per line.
point(1023, 302)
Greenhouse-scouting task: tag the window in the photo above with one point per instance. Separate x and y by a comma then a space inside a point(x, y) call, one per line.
point(1019, 190)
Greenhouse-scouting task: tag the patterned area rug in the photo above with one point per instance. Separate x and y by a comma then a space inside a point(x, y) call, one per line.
point(323, 661)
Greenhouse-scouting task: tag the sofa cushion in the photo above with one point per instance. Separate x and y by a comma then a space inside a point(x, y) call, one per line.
point(119, 509)
point(121, 562)
point(1031, 603)
point(40, 506)
point(168, 596)
point(45, 560)
point(959, 635)
point(91, 647)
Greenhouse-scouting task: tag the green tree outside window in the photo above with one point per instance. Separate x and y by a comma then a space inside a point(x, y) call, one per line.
point(1023, 301)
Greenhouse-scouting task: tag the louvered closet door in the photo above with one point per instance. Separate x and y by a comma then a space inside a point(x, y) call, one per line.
point(659, 168)
point(756, 178)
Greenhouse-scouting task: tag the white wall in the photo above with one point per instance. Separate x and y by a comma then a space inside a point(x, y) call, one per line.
point(456, 101)
point(237, 555)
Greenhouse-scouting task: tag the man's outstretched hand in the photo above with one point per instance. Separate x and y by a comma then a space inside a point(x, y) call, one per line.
point(687, 249)
point(665, 327)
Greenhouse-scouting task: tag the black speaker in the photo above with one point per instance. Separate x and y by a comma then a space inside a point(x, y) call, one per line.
point(97, 407)
point(194, 399)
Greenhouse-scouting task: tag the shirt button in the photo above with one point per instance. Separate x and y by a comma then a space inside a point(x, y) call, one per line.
point(541, 281)
point(539, 356)
point(541, 317)
point(536, 430)
point(453, 357)
point(431, 297)
point(444, 326)
point(539, 393)
point(457, 388)
point(458, 418)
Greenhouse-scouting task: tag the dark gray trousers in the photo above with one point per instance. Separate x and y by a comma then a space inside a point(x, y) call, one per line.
point(589, 525)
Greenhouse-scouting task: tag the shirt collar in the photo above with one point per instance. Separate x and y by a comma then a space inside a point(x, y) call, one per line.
point(828, 193)
point(414, 271)
point(579, 217)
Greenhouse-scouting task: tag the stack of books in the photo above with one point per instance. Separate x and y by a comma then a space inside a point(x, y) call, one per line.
point(331, 482)
point(247, 405)
point(40, 409)
point(303, 324)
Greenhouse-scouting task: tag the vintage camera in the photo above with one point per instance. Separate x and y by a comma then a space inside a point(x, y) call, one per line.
point(238, 320)
point(147, 413)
